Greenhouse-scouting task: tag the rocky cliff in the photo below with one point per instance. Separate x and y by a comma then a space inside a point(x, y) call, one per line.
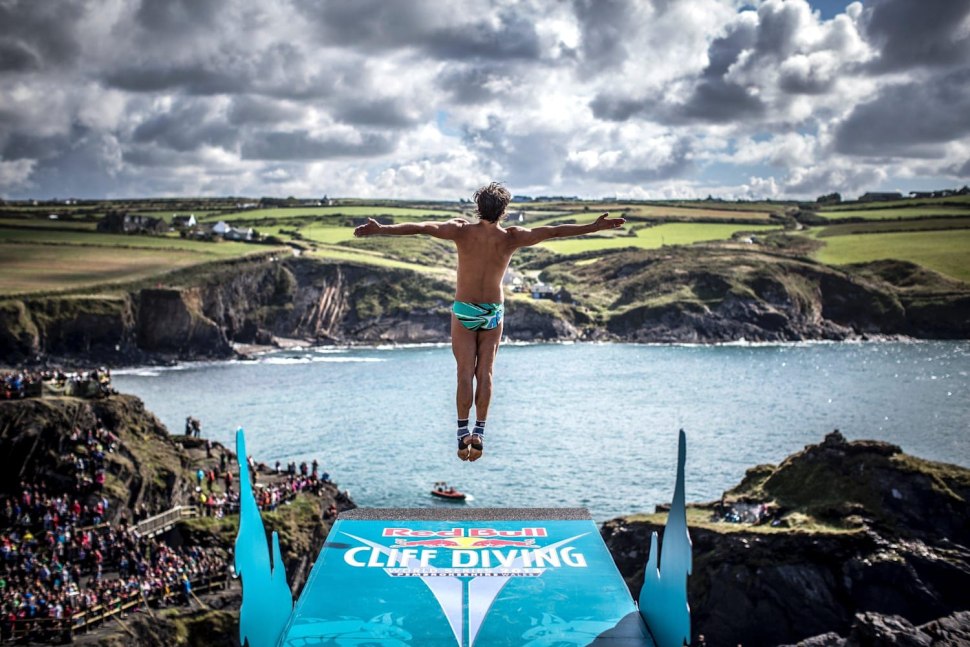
point(841, 529)
point(146, 467)
point(685, 294)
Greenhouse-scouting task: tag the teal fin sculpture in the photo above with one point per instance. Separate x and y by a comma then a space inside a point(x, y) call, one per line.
point(663, 598)
point(267, 600)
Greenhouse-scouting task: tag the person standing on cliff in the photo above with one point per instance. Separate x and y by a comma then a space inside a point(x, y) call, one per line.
point(484, 251)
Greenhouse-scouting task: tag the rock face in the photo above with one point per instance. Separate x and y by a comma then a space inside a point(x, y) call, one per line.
point(874, 629)
point(147, 468)
point(873, 531)
point(675, 296)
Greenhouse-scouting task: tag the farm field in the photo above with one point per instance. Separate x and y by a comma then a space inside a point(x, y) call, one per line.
point(655, 237)
point(889, 226)
point(44, 223)
point(958, 200)
point(898, 212)
point(943, 251)
point(255, 215)
point(41, 268)
point(367, 257)
point(654, 211)
point(52, 237)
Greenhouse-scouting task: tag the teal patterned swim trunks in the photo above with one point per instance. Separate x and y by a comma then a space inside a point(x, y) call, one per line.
point(478, 316)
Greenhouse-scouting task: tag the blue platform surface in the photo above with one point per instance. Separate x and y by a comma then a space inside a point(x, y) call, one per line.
point(466, 577)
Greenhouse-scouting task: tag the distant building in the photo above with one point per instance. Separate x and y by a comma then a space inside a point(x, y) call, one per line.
point(543, 291)
point(873, 196)
point(125, 223)
point(184, 222)
point(221, 228)
point(239, 233)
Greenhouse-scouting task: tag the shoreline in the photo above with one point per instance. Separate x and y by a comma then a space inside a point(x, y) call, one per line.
point(255, 352)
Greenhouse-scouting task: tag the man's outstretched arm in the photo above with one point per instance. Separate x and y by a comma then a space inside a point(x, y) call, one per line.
point(525, 237)
point(447, 230)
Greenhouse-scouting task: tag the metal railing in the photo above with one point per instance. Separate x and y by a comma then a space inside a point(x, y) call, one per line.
point(61, 629)
point(164, 521)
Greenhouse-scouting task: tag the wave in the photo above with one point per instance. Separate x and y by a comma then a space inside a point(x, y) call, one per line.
point(309, 359)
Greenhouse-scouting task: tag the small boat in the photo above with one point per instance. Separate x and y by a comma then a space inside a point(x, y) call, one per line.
point(443, 491)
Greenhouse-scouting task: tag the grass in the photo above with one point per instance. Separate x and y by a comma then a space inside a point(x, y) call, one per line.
point(327, 234)
point(367, 257)
point(957, 200)
point(681, 211)
point(54, 260)
point(45, 223)
point(352, 210)
point(943, 251)
point(888, 226)
point(38, 268)
point(38, 236)
point(654, 237)
point(897, 212)
point(698, 517)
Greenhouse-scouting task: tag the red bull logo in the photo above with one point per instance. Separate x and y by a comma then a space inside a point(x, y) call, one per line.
point(465, 543)
point(465, 538)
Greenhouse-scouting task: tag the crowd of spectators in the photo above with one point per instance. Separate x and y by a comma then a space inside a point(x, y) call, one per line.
point(60, 555)
point(268, 495)
point(26, 383)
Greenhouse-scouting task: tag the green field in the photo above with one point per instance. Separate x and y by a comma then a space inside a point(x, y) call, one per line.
point(325, 233)
point(219, 249)
point(354, 211)
point(958, 200)
point(654, 237)
point(42, 259)
point(898, 212)
point(367, 257)
point(44, 223)
point(890, 226)
point(41, 268)
point(655, 211)
point(947, 252)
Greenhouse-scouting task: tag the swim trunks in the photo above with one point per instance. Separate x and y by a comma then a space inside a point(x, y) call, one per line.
point(478, 316)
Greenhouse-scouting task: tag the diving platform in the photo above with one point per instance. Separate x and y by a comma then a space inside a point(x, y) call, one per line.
point(463, 577)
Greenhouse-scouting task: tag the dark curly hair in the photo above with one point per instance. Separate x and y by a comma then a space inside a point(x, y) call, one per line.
point(492, 200)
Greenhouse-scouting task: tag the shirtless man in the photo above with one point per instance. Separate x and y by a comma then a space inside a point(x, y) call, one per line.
point(484, 251)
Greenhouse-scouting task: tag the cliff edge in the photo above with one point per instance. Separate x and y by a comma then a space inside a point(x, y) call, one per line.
point(810, 546)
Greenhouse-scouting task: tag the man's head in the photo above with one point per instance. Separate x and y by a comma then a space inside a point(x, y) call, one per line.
point(492, 200)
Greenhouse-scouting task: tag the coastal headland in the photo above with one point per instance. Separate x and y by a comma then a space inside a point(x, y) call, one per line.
point(844, 543)
point(106, 515)
point(145, 281)
point(681, 295)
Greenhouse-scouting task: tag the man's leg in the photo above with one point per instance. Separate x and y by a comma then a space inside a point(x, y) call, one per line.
point(488, 342)
point(464, 345)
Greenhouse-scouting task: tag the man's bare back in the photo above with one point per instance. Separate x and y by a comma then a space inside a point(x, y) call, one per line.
point(485, 249)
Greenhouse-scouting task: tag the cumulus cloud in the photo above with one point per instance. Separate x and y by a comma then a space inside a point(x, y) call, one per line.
point(429, 98)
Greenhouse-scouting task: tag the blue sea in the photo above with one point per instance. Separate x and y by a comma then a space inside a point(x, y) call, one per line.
point(570, 425)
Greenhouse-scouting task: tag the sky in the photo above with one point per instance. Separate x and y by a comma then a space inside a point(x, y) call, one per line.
point(429, 99)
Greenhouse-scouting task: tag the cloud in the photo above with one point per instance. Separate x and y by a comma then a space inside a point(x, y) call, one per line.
point(906, 117)
point(930, 33)
point(38, 35)
point(302, 145)
point(187, 126)
point(429, 98)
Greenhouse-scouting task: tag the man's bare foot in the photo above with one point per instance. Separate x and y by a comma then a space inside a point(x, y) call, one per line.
point(464, 447)
point(476, 447)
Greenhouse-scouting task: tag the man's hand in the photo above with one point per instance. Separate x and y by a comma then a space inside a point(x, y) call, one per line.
point(605, 222)
point(369, 228)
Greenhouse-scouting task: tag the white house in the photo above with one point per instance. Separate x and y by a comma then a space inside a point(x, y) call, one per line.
point(239, 233)
point(221, 228)
point(184, 222)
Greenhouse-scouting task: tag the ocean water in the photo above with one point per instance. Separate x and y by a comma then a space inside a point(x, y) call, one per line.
point(588, 425)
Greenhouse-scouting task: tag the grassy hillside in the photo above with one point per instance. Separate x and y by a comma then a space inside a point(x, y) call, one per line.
point(40, 254)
